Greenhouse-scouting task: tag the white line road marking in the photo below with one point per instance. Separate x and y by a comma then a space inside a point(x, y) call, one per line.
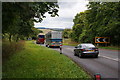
point(115, 59)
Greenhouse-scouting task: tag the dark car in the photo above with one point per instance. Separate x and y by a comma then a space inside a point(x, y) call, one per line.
point(86, 49)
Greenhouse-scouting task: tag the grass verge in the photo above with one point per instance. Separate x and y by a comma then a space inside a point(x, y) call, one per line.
point(10, 48)
point(110, 47)
point(40, 62)
point(69, 42)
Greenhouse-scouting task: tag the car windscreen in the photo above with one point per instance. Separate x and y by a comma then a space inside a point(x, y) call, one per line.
point(87, 45)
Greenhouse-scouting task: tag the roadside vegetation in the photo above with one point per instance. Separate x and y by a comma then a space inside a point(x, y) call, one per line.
point(40, 62)
point(10, 48)
point(110, 47)
point(18, 24)
point(69, 42)
point(18, 18)
point(100, 20)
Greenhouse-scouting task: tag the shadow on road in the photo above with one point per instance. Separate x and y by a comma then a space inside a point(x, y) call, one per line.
point(89, 57)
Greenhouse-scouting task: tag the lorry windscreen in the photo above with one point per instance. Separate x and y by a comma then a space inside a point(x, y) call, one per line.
point(56, 40)
point(41, 36)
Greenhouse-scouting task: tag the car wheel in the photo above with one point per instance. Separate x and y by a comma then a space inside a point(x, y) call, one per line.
point(96, 56)
point(80, 55)
point(75, 53)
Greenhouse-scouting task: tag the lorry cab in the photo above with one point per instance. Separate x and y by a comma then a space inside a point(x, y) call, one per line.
point(40, 39)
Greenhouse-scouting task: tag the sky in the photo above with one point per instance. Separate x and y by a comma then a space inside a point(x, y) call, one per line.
point(67, 12)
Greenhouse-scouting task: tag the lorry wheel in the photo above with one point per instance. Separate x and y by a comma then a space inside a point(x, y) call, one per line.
point(48, 46)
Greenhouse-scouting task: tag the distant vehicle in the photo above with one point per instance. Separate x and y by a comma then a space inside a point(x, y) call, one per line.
point(53, 39)
point(86, 49)
point(40, 39)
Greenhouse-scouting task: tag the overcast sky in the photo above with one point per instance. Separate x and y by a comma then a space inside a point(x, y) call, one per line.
point(67, 12)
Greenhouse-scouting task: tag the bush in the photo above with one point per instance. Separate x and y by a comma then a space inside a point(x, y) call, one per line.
point(9, 48)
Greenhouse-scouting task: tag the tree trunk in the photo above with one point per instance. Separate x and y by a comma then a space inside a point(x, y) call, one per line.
point(10, 37)
point(17, 39)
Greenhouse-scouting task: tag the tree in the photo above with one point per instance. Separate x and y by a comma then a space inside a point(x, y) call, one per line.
point(79, 23)
point(66, 33)
point(18, 17)
point(102, 19)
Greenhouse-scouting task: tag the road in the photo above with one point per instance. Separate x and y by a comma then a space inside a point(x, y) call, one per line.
point(106, 64)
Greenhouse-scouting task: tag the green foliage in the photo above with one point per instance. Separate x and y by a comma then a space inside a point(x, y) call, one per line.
point(18, 17)
point(35, 32)
point(67, 33)
point(40, 31)
point(69, 42)
point(100, 20)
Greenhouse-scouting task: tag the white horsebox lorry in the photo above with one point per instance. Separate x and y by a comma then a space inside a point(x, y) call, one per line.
point(53, 39)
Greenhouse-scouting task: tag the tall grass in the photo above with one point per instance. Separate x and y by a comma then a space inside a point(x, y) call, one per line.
point(10, 48)
point(69, 42)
